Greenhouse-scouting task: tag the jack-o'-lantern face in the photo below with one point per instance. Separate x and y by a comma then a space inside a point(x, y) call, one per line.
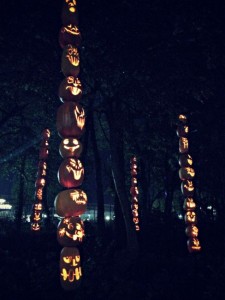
point(71, 29)
point(186, 173)
point(79, 197)
point(73, 56)
point(35, 226)
point(70, 147)
point(190, 217)
point(182, 131)
point(71, 5)
point(183, 145)
point(185, 160)
point(135, 220)
point(133, 181)
point(134, 199)
point(74, 85)
point(187, 188)
point(193, 245)
point(46, 133)
point(39, 193)
point(182, 118)
point(70, 231)
point(40, 182)
point(36, 216)
point(134, 191)
point(71, 173)
point(70, 269)
point(70, 89)
point(189, 204)
point(191, 231)
point(37, 206)
point(80, 116)
point(135, 213)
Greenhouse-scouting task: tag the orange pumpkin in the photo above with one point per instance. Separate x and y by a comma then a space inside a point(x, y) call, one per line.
point(70, 147)
point(70, 89)
point(70, 61)
point(71, 173)
point(69, 34)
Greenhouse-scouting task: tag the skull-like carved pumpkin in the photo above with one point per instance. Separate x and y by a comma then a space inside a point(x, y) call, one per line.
point(70, 89)
point(193, 245)
point(189, 204)
point(185, 160)
point(190, 217)
point(40, 182)
point(71, 202)
point(133, 172)
point(70, 147)
point(183, 145)
point(191, 231)
point(70, 268)
point(70, 120)
point(187, 188)
point(43, 153)
point(69, 34)
point(186, 173)
point(134, 191)
point(69, 13)
point(70, 62)
point(71, 172)
point(182, 131)
point(70, 231)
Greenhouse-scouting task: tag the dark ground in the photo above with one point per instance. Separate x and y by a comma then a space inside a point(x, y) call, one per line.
point(163, 270)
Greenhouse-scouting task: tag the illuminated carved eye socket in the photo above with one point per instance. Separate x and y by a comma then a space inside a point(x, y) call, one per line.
point(70, 226)
point(66, 141)
point(67, 259)
point(75, 142)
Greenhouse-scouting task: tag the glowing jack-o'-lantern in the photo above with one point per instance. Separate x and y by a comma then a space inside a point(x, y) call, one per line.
point(35, 226)
point(135, 220)
point(70, 269)
point(44, 143)
point(189, 204)
point(182, 131)
point(40, 182)
point(134, 191)
point(69, 34)
point(37, 206)
point(70, 120)
point(39, 193)
point(46, 133)
point(70, 147)
point(70, 231)
point(191, 231)
point(70, 62)
point(69, 13)
point(134, 206)
point(133, 160)
point(193, 245)
point(41, 173)
point(71, 202)
point(70, 89)
point(71, 172)
point(133, 172)
point(186, 173)
point(42, 165)
point(134, 199)
point(187, 188)
point(185, 160)
point(43, 153)
point(36, 216)
point(135, 213)
point(137, 227)
point(190, 217)
point(182, 118)
point(183, 145)
point(133, 181)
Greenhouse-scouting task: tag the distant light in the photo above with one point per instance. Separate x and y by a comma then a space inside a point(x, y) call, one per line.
point(2, 200)
point(180, 216)
point(209, 207)
point(107, 218)
point(5, 206)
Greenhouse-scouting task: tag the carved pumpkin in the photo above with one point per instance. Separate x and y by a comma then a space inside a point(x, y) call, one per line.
point(44, 143)
point(40, 182)
point(70, 269)
point(137, 227)
point(46, 133)
point(70, 120)
point(183, 145)
point(35, 216)
point(69, 13)
point(70, 231)
point(133, 160)
point(37, 206)
point(182, 131)
point(135, 213)
point(70, 89)
point(186, 173)
point(191, 231)
point(70, 203)
point(133, 181)
point(190, 217)
point(71, 173)
point(193, 245)
point(43, 153)
point(70, 62)
point(134, 199)
point(182, 119)
point(187, 188)
point(69, 34)
point(135, 220)
point(185, 160)
point(134, 206)
point(42, 165)
point(35, 226)
point(134, 191)
point(39, 193)
point(189, 204)
point(70, 147)
point(41, 173)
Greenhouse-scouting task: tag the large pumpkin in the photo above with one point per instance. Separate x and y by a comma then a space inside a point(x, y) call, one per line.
point(69, 34)
point(70, 61)
point(69, 13)
point(71, 202)
point(70, 231)
point(71, 173)
point(70, 147)
point(70, 89)
point(70, 268)
point(70, 120)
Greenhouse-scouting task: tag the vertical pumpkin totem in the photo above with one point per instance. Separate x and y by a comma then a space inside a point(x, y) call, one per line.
point(134, 192)
point(36, 215)
point(71, 202)
point(187, 174)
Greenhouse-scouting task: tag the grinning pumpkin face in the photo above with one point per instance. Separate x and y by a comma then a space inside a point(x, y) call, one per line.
point(70, 89)
point(69, 34)
point(71, 202)
point(71, 173)
point(70, 63)
point(70, 231)
point(191, 231)
point(185, 160)
point(183, 145)
point(193, 245)
point(189, 204)
point(35, 226)
point(187, 188)
point(190, 217)
point(70, 147)
point(70, 120)
point(70, 269)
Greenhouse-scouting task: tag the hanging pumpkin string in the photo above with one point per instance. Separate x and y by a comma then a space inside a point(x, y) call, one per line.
point(70, 203)
point(186, 175)
point(134, 192)
point(36, 215)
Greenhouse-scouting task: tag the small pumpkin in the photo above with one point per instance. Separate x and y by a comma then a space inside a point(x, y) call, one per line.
point(70, 89)
point(70, 147)
point(39, 193)
point(183, 145)
point(46, 133)
point(182, 118)
point(133, 181)
point(190, 217)
point(71, 173)
point(70, 61)
point(35, 226)
point(187, 188)
point(134, 191)
point(43, 153)
point(71, 202)
point(70, 268)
